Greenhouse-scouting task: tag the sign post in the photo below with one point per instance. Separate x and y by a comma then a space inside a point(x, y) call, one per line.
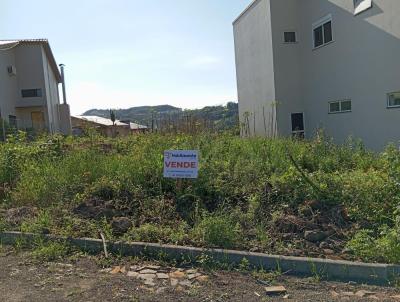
point(181, 164)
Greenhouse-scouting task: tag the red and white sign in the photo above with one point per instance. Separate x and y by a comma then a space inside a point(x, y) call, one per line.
point(181, 164)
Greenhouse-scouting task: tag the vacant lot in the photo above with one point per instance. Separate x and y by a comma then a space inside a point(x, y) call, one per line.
point(268, 195)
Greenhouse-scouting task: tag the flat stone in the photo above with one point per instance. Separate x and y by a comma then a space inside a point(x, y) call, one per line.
point(106, 270)
point(174, 282)
point(160, 290)
point(275, 290)
point(191, 271)
point(132, 274)
point(115, 270)
point(177, 275)
point(136, 268)
point(186, 283)
point(347, 294)
point(193, 276)
point(148, 271)
point(202, 279)
point(155, 267)
point(149, 282)
point(364, 293)
point(162, 276)
point(147, 276)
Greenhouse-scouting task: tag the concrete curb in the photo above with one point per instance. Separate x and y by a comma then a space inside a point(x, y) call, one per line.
point(378, 274)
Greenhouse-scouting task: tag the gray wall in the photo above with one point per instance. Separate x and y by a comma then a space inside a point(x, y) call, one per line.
point(254, 63)
point(8, 85)
point(287, 62)
point(33, 71)
point(362, 64)
point(52, 94)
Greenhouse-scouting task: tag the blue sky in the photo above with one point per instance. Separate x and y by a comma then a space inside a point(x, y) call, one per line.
point(125, 53)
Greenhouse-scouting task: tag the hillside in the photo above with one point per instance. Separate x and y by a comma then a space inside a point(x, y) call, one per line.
point(223, 117)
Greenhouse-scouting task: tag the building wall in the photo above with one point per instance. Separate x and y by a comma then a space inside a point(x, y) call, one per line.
point(254, 64)
point(52, 95)
point(285, 17)
point(362, 64)
point(8, 84)
point(30, 75)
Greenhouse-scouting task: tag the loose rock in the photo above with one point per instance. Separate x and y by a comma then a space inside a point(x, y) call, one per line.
point(177, 275)
point(314, 236)
point(162, 276)
point(275, 290)
point(121, 225)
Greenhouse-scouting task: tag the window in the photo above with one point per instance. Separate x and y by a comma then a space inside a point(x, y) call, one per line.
point(340, 106)
point(12, 120)
point(298, 125)
point(394, 99)
point(289, 37)
point(322, 32)
point(31, 93)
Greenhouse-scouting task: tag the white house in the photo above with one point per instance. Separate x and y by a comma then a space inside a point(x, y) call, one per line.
point(29, 96)
point(304, 65)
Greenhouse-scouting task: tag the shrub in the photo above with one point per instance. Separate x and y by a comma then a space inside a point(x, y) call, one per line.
point(385, 247)
point(50, 251)
point(40, 224)
point(218, 231)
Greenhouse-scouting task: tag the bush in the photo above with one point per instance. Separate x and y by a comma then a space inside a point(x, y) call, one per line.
point(50, 251)
point(385, 247)
point(218, 231)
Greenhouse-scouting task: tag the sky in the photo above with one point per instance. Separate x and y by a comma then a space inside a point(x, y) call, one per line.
point(126, 53)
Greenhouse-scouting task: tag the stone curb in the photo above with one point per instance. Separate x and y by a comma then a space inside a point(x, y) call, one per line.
point(377, 274)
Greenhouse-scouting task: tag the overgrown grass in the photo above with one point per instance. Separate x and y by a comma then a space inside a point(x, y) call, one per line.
point(229, 205)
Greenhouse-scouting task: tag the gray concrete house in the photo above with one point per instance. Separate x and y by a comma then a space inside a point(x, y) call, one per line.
point(29, 96)
point(305, 65)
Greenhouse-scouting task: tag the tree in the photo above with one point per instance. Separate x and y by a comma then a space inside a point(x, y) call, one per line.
point(112, 116)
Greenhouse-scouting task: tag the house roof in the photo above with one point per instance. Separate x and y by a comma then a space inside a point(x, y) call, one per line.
point(8, 44)
point(100, 120)
point(135, 126)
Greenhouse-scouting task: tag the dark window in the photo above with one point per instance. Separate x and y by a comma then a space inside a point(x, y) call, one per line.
point(318, 37)
point(31, 93)
point(328, 32)
point(12, 120)
point(297, 122)
point(290, 37)
point(323, 34)
point(334, 107)
point(394, 99)
point(340, 106)
point(345, 106)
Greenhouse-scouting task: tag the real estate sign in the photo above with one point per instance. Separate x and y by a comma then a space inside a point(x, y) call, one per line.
point(181, 163)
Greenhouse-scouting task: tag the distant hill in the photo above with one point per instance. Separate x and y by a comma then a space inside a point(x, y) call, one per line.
point(222, 117)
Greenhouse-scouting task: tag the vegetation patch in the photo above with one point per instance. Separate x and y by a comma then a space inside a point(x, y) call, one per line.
point(286, 196)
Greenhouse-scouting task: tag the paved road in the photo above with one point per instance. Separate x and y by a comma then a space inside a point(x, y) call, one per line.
point(83, 279)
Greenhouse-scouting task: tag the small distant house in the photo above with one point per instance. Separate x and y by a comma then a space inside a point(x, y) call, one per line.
point(29, 80)
point(104, 126)
point(136, 128)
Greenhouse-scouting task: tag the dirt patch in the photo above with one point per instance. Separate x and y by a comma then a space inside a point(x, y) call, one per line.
point(82, 279)
point(16, 216)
